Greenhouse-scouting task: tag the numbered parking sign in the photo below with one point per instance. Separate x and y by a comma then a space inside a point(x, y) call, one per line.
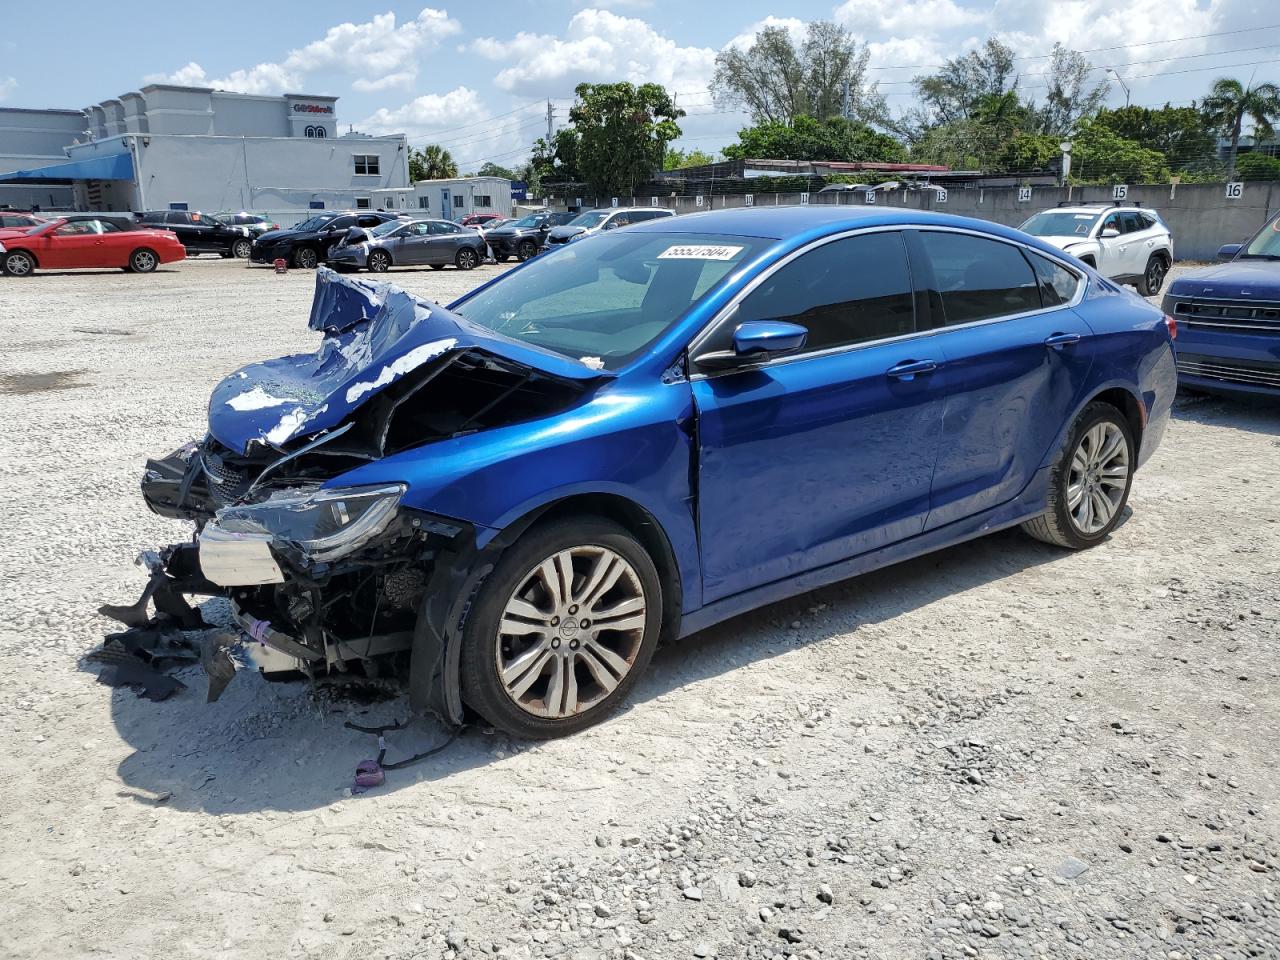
point(1120, 191)
point(940, 196)
point(871, 196)
point(1235, 191)
point(751, 199)
point(614, 202)
point(1024, 194)
point(653, 201)
point(804, 198)
point(697, 201)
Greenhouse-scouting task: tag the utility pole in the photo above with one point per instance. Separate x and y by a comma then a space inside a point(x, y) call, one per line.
point(1115, 73)
point(844, 102)
point(551, 118)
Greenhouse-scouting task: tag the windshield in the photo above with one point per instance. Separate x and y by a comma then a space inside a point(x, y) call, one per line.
point(382, 229)
point(1054, 223)
point(605, 299)
point(592, 218)
point(1266, 245)
point(315, 223)
point(532, 220)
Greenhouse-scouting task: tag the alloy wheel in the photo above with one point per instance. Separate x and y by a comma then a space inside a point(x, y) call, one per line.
point(241, 249)
point(379, 262)
point(570, 632)
point(1099, 477)
point(17, 264)
point(467, 259)
point(306, 258)
point(1155, 275)
point(144, 261)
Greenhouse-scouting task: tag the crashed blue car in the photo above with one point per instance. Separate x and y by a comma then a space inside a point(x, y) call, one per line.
point(1230, 319)
point(517, 498)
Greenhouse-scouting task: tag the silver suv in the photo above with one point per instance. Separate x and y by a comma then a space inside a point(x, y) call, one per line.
point(1129, 244)
point(605, 218)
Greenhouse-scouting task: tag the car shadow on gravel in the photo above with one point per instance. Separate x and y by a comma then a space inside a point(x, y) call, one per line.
point(283, 746)
point(1257, 414)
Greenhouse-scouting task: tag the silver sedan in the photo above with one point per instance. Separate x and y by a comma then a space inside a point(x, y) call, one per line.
point(433, 243)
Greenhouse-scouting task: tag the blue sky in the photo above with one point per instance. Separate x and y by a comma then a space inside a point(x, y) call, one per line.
point(476, 77)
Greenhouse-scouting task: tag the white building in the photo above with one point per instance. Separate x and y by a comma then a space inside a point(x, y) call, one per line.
point(36, 138)
point(172, 147)
point(451, 199)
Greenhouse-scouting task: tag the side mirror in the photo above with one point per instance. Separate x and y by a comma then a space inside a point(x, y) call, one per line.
point(756, 341)
point(1228, 251)
point(1109, 232)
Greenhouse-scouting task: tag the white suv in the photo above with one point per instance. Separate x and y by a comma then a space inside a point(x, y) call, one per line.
point(1128, 244)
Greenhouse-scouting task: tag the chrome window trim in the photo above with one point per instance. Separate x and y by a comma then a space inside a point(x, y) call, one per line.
point(727, 310)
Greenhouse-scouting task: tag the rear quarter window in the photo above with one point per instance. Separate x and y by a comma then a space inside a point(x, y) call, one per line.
point(979, 279)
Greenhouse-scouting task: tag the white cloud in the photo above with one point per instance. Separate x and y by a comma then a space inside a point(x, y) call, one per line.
point(381, 54)
point(433, 111)
point(598, 46)
point(907, 16)
point(794, 26)
point(7, 86)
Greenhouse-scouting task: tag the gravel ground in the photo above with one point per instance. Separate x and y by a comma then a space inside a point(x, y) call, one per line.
point(998, 750)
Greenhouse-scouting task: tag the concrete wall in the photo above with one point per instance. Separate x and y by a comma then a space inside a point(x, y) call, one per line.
point(35, 138)
point(1201, 217)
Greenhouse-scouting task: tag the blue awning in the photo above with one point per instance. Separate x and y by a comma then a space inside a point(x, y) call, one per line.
point(118, 166)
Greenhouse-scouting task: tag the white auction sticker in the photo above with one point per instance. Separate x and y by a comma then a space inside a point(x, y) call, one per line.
point(699, 251)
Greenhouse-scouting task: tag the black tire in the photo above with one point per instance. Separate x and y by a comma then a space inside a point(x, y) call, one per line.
point(306, 258)
point(241, 249)
point(143, 260)
point(526, 251)
point(1153, 276)
point(466, 259)
point(379, 261)
point(1057, 525)
point(482, 686)
point(437, 266)
point(19, 263)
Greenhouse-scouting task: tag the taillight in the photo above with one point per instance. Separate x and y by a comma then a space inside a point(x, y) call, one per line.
point(1172, 325)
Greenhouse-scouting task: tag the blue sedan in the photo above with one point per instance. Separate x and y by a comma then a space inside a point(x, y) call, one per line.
point(520, 496)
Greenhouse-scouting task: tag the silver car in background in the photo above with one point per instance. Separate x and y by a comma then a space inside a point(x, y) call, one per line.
point(606, 218)
point(433, 243)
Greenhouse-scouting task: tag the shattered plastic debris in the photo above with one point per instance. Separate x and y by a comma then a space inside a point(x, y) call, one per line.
point(215, 657)
point(595, 363)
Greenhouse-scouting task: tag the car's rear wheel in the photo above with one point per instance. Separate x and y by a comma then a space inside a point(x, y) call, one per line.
point(1153, 277)
point(527, 250)
point(242, 248)
point(143, 260)
point(379, 261)
point(467, 259)
point(19, 263)
point(561, 630)
point(305, 258)
point(1089, 484)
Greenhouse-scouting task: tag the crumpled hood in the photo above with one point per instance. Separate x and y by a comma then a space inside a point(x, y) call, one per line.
point(374, 334)
point(1239, 279)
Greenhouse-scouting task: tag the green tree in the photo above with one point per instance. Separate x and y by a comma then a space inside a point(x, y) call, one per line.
point(490, 169)
point(432, 162)
point(557, 161)
point(952, 93)
point(1099, 156)
point(1071, 96)
point(808, 138)
point(1230, 103)
point(777, 81)
point(1182, 134)
point(1026, 152)
point(679, 159)
point(622, 133)
point(1258, 166)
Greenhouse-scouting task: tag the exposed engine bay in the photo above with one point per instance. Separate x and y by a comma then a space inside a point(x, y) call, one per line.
point(324, 577)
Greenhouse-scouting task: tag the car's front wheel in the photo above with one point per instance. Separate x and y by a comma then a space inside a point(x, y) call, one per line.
point(242, 248)
point(1153, 277)
point(562, 629)
point(527, 250)
point(305, 258)
point(379, 261)
point(19, 263)
point(1089, 485)
point(143, 260)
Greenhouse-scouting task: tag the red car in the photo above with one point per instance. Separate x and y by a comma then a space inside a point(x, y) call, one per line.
point(479, 219)
point(19, 219)
point(76, 243)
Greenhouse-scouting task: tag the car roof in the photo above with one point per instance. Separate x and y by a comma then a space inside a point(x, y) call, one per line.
point(783, 222)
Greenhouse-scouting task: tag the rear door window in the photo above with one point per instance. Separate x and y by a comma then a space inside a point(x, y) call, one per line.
point(1057, 284)
point(177, 217)
point(979, 279)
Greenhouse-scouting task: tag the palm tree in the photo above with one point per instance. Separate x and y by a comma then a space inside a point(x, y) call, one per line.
point(1230, 101)
point(432, 162)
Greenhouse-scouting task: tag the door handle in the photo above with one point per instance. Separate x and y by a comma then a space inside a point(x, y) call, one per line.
point(907, 369)
point(1060, 340)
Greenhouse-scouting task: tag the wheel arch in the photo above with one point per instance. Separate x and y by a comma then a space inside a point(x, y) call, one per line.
point(27, 250)
point(391, 260)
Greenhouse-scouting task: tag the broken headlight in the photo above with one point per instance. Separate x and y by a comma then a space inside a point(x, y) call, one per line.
point(324, 523)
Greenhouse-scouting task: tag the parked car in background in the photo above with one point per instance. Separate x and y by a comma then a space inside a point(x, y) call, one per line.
point(15, 218)
point(83, 242)
point(480, 219)
point(120, 223)
point(1128, 244)
point(523, 238)
point(597, 221)
point(307, 244)
point(397, 243)
point(200, 232)
point(1229, 318)
point(649, 432)
point(255, 224)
